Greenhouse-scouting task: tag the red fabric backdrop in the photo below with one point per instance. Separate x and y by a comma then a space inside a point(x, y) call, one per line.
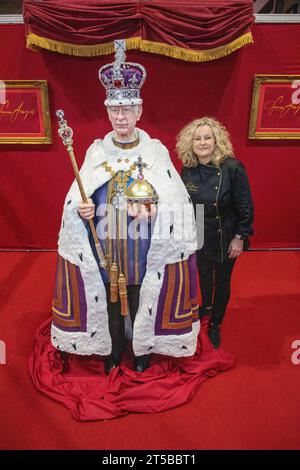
point(35, 179)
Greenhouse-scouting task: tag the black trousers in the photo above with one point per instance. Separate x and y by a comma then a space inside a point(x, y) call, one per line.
point(215, 279)
point(116, 320)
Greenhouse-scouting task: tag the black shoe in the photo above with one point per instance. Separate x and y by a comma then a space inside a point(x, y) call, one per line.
point(111, 361)
point(142, 363)
point(214, 335)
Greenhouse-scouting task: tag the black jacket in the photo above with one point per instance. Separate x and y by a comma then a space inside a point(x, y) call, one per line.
point(228, 206)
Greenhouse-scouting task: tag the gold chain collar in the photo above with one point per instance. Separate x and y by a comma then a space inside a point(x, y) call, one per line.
point(113, 173)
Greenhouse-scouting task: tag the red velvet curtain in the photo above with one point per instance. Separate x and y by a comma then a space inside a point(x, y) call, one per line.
point(196, 25)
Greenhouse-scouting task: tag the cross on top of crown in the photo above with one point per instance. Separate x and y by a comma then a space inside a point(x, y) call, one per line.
point(140, 165)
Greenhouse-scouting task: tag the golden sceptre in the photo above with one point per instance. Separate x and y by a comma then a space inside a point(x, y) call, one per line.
point(66, 134)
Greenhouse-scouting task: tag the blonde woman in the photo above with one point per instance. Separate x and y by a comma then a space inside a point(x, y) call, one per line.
point(216, 179)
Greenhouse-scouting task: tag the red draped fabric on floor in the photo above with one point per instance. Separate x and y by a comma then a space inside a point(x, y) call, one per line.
point(80, 384)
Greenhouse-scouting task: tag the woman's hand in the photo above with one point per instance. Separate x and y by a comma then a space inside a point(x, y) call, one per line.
point(87, 210)
point(141, 211)
point(235, 248)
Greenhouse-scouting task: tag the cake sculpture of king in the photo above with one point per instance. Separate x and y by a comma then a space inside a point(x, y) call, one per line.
point(146, 290)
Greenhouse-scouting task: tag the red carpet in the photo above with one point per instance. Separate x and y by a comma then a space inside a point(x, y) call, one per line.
point(255, 405)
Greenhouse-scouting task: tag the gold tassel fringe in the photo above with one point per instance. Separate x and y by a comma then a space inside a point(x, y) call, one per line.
point(34, 42)
point(190, 55)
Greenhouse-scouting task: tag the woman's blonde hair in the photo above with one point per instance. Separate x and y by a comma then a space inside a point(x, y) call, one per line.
point(223, 147)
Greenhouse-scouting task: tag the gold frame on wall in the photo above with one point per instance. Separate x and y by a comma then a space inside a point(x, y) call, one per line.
point(289, 87)
point(36, 91)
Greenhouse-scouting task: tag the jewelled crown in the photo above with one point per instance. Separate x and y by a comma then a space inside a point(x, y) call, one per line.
point(122, 80)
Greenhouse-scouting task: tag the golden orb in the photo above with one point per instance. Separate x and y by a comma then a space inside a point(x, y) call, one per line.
point(141, 191)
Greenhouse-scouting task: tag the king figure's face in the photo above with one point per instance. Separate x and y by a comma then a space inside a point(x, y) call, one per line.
point(123, 120)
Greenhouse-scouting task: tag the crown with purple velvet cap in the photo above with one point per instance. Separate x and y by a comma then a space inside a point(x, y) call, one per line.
point(122, 80)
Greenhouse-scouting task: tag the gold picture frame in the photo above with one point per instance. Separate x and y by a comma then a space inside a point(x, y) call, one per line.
point(24, 112)
point(275, 109)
